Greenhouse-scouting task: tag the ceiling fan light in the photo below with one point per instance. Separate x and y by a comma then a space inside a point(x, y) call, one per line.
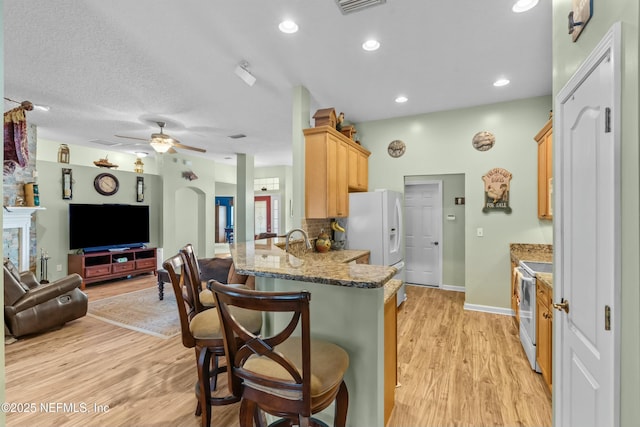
point(160, 145)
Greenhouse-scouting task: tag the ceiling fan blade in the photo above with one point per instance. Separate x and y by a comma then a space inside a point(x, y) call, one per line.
point(188, 147)
point(132, 137)
point(171, 151)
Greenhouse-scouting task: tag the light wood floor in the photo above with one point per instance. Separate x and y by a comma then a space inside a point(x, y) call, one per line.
point(456, 368)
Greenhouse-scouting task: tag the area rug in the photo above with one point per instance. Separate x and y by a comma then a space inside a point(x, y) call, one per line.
point(140, 311)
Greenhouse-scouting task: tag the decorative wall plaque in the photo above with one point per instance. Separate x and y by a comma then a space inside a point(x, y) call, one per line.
point(483, 141)
point(581, 12)
point(497, 183)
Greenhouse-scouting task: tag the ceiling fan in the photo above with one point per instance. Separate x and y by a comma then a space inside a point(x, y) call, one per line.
point(163, 143)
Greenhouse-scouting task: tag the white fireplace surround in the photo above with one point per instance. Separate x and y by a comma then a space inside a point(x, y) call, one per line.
point(20, 217)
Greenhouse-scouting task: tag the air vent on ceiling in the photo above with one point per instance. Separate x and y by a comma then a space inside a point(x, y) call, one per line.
point(238, 136)
point(350, 6)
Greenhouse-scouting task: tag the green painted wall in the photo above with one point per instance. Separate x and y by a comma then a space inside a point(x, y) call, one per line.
point(440, 144)
point(52, 230)
point(567, 58)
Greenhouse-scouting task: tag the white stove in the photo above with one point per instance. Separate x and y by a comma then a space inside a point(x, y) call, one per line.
point(528, 270)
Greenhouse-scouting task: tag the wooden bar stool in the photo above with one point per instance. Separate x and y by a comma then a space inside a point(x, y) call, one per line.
point(288, 376)
point(201, 330)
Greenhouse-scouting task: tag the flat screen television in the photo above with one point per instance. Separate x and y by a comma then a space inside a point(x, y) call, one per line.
point(102, 227)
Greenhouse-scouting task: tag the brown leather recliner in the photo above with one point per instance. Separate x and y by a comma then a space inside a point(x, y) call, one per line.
point(31, 307)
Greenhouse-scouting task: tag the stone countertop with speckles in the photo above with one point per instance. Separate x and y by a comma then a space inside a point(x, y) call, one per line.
point(533, 252)
point(265, 258)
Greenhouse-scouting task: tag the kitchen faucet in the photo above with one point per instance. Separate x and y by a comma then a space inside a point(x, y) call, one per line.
point(288, 236)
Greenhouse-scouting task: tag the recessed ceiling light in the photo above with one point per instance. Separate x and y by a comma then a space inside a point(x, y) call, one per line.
point(371, 45)
point(524, 5)
point(401, 99)
point(501, 82)
point(288, 27)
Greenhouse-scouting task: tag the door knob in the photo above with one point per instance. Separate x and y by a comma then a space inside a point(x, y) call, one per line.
point(435, 243)
point(563, 305)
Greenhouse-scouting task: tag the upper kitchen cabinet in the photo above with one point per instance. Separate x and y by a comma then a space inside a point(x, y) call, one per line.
point(358, 168)
point(328, 172)
point(544, 138)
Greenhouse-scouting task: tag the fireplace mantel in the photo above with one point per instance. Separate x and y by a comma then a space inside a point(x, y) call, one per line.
point(20, 217)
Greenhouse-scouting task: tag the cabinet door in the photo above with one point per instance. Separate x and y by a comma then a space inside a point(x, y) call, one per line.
point(353, 168)
point(358, 170)
point(515, 294)
point(545, 171)
point(363, 171)
point(342, 180)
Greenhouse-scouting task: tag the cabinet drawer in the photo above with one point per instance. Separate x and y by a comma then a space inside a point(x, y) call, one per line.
point(146, 263)
point(97, 270)
point(122, 266)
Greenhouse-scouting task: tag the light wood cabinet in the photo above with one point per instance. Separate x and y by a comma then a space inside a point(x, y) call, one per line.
point(515, 294)
point(544, 138)
point(390, 356)
point(327, 172)
point(358, 169)
point(544, 330)
point(364, 259)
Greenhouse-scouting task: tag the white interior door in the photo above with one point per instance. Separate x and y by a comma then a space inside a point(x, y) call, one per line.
point(423, 231)
point(587, 245)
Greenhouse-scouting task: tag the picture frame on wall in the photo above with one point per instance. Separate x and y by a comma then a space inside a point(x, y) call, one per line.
point(140, 189)
point(67, 184)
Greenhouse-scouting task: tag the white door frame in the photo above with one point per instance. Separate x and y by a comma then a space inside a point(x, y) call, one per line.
point(607, 49)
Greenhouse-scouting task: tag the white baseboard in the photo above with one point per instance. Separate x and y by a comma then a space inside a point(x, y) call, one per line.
point(489, 309)
point(453, 288)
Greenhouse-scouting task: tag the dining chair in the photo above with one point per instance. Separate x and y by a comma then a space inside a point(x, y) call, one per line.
point(286, 375)
point(201, 330)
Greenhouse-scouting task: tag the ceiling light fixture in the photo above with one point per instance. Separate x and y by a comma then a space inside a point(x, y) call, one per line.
point(160, 146)
point(242, 72)
point(501, 82)
point(288, 27)
point(401, 99)
point(524, 5)
point(371, 45)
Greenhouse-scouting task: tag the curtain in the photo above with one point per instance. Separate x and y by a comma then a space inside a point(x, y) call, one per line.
point(16, 152)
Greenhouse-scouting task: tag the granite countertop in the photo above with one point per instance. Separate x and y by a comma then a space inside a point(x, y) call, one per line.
point(533, 252)
point(265, 258)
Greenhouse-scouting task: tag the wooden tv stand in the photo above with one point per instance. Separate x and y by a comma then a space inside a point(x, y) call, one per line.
point(105, 265)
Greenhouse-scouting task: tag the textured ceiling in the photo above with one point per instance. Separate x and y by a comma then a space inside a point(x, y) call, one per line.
point(115, 67)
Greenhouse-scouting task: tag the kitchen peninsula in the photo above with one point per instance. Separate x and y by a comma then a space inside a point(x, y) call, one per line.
point(347, 308)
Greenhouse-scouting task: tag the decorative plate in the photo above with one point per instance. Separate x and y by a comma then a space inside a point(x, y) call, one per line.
point(396, 148)
point(483, 141)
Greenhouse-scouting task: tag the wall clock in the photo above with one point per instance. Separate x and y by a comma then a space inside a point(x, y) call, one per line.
point(396, 148)
point(106, 184)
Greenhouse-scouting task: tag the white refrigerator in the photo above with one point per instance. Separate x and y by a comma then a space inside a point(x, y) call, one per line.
point(375, 224)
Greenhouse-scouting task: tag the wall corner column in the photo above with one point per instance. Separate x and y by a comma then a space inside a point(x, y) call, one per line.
point(301, 120)
point(244, 225)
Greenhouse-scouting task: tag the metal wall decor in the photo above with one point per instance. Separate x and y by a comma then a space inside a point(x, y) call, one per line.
point(63, 153)
point(483, 141)
point(67, 184)
point(140, 189)
point(497, 183)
